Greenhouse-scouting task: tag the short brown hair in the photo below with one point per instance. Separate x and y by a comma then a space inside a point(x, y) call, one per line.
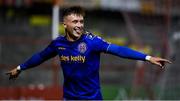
point(73, 10)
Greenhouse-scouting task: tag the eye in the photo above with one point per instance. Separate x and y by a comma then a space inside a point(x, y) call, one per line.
point(75, 21)
point(81, 21)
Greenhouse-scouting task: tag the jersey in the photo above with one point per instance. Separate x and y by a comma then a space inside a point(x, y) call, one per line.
point(80, 62)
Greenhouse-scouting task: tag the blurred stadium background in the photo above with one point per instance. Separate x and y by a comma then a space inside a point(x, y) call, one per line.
point(150, 26)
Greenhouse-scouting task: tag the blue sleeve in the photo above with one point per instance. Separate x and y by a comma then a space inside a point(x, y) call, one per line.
point(125, 52)
point(39, 57)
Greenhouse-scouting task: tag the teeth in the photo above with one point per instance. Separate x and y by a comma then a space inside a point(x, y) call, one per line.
point(77, 28)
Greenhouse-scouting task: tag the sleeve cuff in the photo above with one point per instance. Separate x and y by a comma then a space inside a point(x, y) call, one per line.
point(18, 67)
point(147, 57)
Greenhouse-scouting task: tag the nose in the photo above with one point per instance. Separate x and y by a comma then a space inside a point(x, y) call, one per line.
point(79, 24)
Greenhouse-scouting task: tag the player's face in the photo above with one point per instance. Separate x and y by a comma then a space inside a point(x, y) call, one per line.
point(74, 25)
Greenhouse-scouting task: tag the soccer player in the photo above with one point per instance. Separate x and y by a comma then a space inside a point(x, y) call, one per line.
point(79, 53)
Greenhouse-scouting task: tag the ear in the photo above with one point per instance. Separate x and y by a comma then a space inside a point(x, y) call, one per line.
point(65, 26)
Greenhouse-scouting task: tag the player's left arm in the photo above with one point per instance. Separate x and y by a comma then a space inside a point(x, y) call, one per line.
point(126, 52)
point(101, 45)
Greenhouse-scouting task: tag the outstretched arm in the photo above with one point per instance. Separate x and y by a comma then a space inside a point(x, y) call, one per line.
point(35, 60)
point(101, 45)
point(132, 54)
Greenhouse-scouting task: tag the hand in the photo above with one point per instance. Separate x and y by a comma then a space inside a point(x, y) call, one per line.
point(13, 74)
point(159, 61)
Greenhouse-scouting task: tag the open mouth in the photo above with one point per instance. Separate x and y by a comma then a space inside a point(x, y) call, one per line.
point(77, 30)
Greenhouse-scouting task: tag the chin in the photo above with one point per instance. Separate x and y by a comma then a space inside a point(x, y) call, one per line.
point(77, 35)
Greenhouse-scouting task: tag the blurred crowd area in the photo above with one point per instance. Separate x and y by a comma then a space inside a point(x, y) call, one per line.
point(149, 26)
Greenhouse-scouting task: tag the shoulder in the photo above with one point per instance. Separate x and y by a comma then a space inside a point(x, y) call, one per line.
point(60, 37)
point(89, 35)
point(92, 36)
point(57, 40)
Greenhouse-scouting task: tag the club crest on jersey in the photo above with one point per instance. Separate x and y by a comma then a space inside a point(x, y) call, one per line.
point(82, 47)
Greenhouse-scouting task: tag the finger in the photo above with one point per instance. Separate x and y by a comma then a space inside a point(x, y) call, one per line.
point(162, 67)
point(159, 64)
point(162, 63)
point(165, 60)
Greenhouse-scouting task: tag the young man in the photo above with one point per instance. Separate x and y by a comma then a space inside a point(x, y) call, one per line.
point(79, 53)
